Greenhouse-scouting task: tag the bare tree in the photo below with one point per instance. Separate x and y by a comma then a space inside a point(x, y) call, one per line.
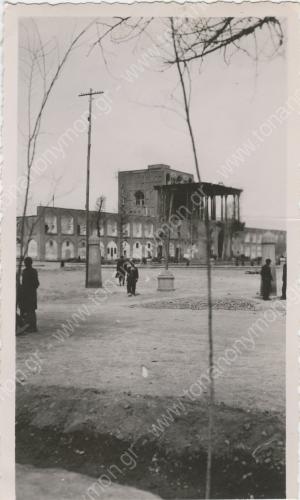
point(192, 40)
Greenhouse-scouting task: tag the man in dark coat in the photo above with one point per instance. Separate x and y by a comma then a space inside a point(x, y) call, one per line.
point(132, 278)
point(28, 303)
point(266, 277)
point(284, 273)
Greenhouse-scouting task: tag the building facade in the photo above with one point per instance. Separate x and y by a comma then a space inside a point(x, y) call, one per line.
point(55, 233)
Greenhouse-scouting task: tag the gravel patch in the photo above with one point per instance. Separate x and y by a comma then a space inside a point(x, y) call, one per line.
point(195, 303)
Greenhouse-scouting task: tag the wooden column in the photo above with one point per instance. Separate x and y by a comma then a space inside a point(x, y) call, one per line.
point(234, 206)
point(238, 207)
point(222, 214)
point(225, 207)
point(206, 207)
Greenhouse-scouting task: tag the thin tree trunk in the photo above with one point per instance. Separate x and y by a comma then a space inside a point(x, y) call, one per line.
point(209, 290)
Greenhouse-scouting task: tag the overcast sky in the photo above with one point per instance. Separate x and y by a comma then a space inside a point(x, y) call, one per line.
point(229, 103)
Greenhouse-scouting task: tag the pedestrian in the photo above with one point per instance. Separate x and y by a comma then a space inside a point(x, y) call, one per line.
point(21, 326)
point(132, 278)
point(28, 305)
point(266, 277)
point(284, 274)
point(121, 271)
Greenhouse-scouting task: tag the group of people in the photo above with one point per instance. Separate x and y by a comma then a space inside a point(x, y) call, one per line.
point(27, 298)
point(267, 278)
point(127, 271)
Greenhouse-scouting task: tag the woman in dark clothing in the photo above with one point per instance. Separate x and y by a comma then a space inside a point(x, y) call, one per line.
point(28, 296)
point(266, 278)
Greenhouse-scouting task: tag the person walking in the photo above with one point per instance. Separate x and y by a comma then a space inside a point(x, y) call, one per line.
point(28, 302)
point(284, 274)
point(121, 270)
point(132, 278)
point(266, 277)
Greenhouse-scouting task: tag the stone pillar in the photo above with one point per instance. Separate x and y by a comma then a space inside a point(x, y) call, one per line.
point(238, 207)
point(268, 252)
point(226, 211)
point(94, 270)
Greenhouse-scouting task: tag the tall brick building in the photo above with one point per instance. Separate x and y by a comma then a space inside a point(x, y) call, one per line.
point(137, 193)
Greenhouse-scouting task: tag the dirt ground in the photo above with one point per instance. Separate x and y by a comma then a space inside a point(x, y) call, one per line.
point(106, 375)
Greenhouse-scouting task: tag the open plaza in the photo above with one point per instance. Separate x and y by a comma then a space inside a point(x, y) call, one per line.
point(122, 372)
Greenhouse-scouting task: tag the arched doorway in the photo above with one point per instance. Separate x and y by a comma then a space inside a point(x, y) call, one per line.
point(149, 250)
point(67, 250)
point(126, 249)
point(82, 250)
point(112, 250)
point(51, 250)
point(137, 250)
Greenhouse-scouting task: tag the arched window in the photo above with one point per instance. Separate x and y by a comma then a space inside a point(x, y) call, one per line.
point(139, 198)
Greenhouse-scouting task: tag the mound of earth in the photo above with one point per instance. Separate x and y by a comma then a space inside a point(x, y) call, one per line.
point(91, 432)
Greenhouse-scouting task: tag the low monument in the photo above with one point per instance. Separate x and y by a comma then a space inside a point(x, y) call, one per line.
point(268, 252)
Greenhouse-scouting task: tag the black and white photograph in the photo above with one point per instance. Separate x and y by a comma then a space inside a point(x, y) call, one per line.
point(150, 285)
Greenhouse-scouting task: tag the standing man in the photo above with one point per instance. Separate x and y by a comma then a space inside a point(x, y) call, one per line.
point(30, 283)
point(284, 273)
point(266, 277)
point(132, 278)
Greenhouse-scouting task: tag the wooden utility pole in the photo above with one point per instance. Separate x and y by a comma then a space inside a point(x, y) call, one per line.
point(87, 199)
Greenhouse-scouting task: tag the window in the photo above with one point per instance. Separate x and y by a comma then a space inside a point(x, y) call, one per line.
point(115, 250)
point(149, 245)
point(67, 224)
point(51, 243)
point(50, 224)
point(68, 243)
point(137, 229)
point(107, 250)
point(139, 198)
point(137, 245)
